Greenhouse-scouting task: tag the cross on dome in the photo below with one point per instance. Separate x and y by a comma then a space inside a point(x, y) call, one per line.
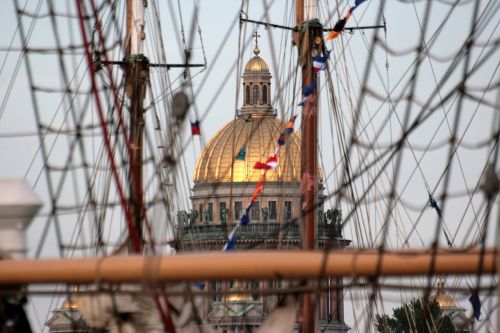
point(256, 35)
point(256, 50)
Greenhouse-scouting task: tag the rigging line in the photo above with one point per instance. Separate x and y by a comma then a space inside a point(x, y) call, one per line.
point(220, 48)
point(351, 107)
point(38, 116)
point(345, 171)
point(408, 105)
point(372, 297)
point(158, 157)
point(414, 125)
point(439, 95)
point(162, 154)
point(453, 148)
point(119, 107)
point(164, 312)
point(470, 197)
point(74, 116)
point(200, 35)
point(284, 44)
point(241, 33)
point(188, 81)
point(187, 55)
point(422, 115)
point(9, 49)
point(25, 40)
point(180, 43)
point(433, 39)
point(107, 143)
point(161, 49)
point(182, 24)
point(341, 136)
point(482, 236)
point(212, 101)
point(363, 131)
point(165, 82)
point(169, 178)
point(371, 120)
point(495, 147)
point(428, 145)
point(60, 130)
point(273, 51)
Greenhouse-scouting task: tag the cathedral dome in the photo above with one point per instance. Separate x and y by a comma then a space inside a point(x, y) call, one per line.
point(217, 163)
point(256, 65)
point(445, 301)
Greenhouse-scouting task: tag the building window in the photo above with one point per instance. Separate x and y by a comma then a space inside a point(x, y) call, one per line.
point(255, 94)
point(210, 212)
point(264, 94)
point(255, 214)
point(237, 210)
point(247, 94)
point(272, 209)
point(200, 212)
point(254, 285)
point(288, 210)
point(212, 287)
point(222, 211)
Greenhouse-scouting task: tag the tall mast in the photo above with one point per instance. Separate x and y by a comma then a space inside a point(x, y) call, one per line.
point(309, 43)
point(137, 76)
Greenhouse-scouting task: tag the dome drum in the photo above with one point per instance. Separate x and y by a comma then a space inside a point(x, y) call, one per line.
point(277, 202)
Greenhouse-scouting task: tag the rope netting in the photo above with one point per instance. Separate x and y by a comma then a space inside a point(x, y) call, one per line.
point(408, 131)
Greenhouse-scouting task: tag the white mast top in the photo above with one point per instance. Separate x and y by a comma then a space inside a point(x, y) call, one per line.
point(310, 9)
point(137, 34)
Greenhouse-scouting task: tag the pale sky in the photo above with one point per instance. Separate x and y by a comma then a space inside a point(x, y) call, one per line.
point(421, 168)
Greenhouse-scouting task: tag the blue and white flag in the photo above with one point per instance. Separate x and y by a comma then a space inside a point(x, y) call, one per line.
point(319, 62)
point(307, 92)
point(231, 240)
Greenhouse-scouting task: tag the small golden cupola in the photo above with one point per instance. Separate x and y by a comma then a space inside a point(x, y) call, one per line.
point(257, 85)
point(445, 301)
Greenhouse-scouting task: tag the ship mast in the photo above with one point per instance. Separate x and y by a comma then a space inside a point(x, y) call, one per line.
point(136, 74)
point(309, 43)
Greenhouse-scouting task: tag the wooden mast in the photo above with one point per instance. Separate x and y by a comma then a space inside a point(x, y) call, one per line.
point(309, 43)
point(137, 75)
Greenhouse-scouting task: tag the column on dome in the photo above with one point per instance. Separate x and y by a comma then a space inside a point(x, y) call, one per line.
point(247, 94)
point(265, 100)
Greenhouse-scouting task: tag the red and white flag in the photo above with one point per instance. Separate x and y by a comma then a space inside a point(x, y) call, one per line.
point(270, 164)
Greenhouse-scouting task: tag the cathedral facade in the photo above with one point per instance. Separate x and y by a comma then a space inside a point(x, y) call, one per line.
point(224, 182)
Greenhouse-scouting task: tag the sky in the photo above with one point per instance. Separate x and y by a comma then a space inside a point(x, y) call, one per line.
point(217, 98)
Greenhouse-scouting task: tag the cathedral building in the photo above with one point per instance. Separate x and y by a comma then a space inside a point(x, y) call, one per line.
point(224, 182)
point(449, 307)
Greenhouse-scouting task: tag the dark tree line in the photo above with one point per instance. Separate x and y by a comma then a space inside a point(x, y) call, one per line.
point(418, 315)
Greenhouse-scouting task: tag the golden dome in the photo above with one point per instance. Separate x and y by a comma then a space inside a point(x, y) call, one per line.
point(237, 295)
point(256, 64)
point(444, 300)
point(68, 304)
point(217, 163)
